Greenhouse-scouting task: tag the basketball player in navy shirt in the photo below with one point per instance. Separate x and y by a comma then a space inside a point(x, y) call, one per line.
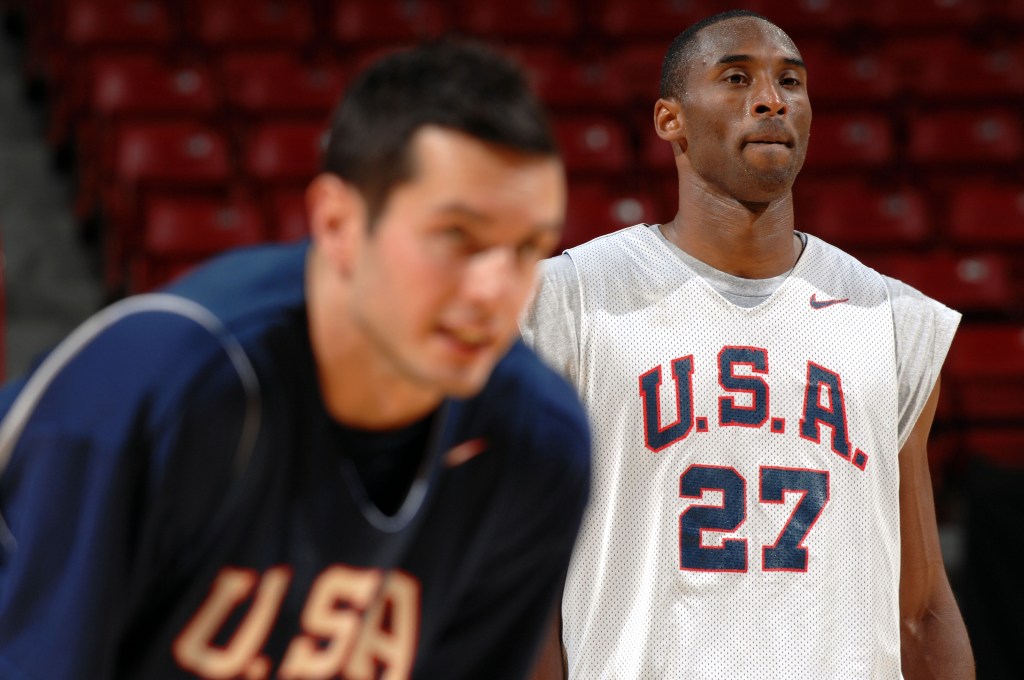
point(319, 460)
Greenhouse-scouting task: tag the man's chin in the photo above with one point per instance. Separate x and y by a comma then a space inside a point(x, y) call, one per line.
point(767, 184)
point(463, 374)
point(465, 386)
point(459, 379)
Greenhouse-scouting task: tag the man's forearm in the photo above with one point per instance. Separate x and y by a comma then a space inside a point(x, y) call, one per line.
point(935, 644)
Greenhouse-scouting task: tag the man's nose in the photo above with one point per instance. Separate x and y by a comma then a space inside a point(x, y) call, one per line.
point(491, 275)
point(767, 100)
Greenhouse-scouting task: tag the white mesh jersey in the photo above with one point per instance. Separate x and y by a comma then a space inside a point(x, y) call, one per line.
point(744, 521)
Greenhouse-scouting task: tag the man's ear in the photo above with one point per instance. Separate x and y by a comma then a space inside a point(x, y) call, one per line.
point(337, 218)
point(670, 122)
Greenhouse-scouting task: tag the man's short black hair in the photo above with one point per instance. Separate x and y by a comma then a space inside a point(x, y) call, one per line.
point(676, 65)
point(456, 84)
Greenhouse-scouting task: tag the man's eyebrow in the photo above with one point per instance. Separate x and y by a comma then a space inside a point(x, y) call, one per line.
point(463, 211)
point(734, 58)
point(739, 58)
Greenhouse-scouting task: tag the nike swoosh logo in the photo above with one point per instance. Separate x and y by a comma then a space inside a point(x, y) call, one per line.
point(822, 304)
point(465, 452)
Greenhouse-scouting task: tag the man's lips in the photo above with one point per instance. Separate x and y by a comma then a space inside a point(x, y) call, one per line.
point(468, 338)
point(788, 143)
point(770, 132)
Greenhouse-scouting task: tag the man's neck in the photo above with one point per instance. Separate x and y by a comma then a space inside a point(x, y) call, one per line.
point(749, 241)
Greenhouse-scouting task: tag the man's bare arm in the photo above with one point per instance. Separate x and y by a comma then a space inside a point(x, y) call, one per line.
point(551, 663)
point(932, 633)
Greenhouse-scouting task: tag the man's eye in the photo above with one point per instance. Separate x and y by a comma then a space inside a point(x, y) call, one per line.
point(536, 247)
point(790, 81)
point(532, 249)
point(736, 78)
point(456, 240)
point(456, 237)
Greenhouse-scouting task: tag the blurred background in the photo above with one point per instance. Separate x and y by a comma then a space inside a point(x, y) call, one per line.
point(138, 137)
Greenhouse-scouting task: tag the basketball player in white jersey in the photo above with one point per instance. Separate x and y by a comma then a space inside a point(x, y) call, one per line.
point(761, 506)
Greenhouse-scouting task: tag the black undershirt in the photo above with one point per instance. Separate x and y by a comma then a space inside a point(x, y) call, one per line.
point(386, 461)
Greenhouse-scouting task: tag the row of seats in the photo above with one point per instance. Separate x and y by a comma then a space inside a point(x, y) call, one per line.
point(921, 73)
point(185, 152)
point(188, 153)
point(972, 212)
point(951, 449)
point(595, 145)
point(244, 87)
point(981, 407)
point(867, 140)
point(589, 66)
point(182, 231)
point(979, 283)
point(592, 145)
point(986, 368)
point(217, 23)
point(910, 75)
point(180, 228)
point(877, 73)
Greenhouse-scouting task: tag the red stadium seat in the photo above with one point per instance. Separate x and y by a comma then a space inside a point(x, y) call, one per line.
point(166, 155)
point(183, 231)
point(179, 152)
point(73, 30)
point(134, 87)
point(595, 209)
point(940, 67)
point(593, 144)
point(902, 16)
point(986, 364)
point(839, 76)
point(966, 283)
point(853, 215)
point(805, 16)
point(118, 23)
point(388, 21)
point(988, 350)
point(632, 21)
point(289, 221)
point(285, 152)
point(1003, 446)
point(655, 153)
point(143, 84)
point(640, 67)
point(523, 20)
point(850, 140)
point(247, 23)
point(178, 226)
point(1008, 11)
point(987, 214)
point(990, 135)
point(367, 55)
point(278, 83)
point(563, 81)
